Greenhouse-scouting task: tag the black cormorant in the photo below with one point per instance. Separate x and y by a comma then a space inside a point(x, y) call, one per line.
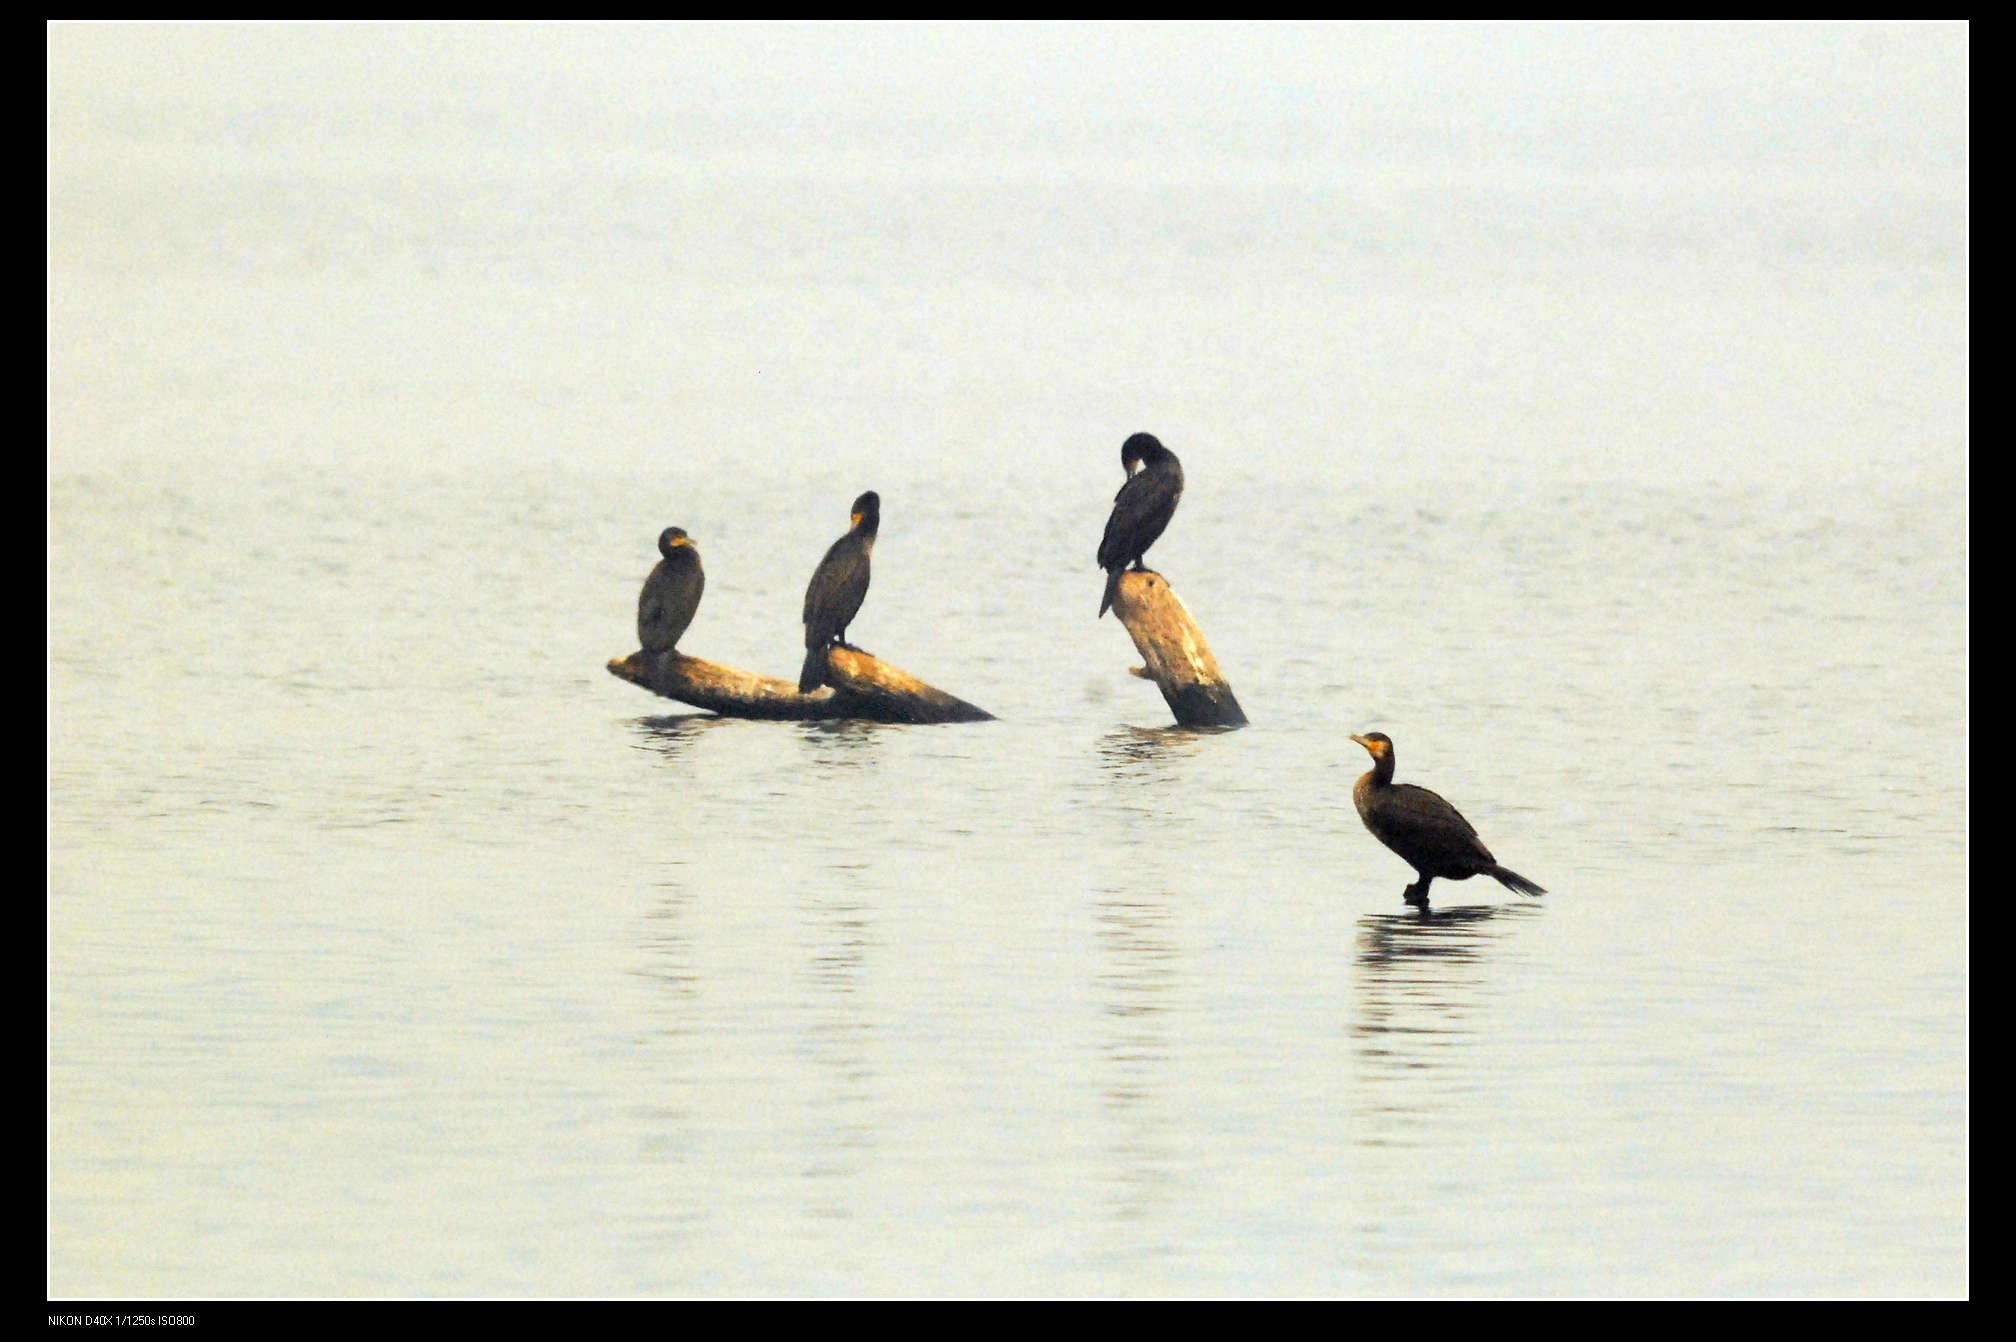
point(671, 594)
point(1141, 509)
point(838, 585)
point(1428, 832)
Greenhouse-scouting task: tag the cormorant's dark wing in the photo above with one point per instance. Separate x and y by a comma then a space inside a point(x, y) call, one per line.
point(666, 605)
point(650, 619)
point(1141, 510)
point(1418, 822)
point(838, 587)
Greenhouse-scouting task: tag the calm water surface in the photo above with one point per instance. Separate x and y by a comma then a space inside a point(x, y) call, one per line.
point(396, 949)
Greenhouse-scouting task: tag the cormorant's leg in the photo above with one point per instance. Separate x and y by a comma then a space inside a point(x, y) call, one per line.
point(1417, 893)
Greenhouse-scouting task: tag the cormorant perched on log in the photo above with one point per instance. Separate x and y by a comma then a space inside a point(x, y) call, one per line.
point(838, 586)
point(671, 594)
point(1427, 831)
point(1141, 509)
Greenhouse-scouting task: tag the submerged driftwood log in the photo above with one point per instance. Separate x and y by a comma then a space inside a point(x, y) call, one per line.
point(1178, 659)
point(859, 686)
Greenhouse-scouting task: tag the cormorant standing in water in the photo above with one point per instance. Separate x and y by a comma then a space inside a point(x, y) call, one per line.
point(1428, 832)
point(671, 594)
point(838, 585)
point(1141, 509)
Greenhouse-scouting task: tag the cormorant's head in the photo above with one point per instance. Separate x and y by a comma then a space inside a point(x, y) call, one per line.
point(670, 539)
point(868, 510)
point(1380, 744)
point(1138, 449)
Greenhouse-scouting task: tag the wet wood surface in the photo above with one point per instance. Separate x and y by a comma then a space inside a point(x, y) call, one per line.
point(862, 687)
point(1174, 652)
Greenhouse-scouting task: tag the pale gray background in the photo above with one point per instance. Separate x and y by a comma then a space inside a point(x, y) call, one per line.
point(1586, 407)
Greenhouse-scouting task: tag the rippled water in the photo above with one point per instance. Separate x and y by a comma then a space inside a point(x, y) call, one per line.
point(396, 949)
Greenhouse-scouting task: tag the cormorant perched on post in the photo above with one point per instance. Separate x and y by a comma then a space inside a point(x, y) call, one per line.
point(1428, 832)
point(671, 594)
point(1141, 509)
point(838, 586)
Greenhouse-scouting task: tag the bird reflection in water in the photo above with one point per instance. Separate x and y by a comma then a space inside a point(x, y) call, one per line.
point(1129, 748)
point(1424, 993)
point(672, 735)
point(846, 742)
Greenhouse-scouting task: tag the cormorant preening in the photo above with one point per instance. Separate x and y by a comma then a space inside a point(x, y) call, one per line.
point(1428, 832)
point(1141, 509)
point(838, 585)
point(671, 594)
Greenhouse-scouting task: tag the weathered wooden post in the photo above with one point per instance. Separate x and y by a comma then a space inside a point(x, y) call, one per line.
point(1177, 658)
point(864, 687)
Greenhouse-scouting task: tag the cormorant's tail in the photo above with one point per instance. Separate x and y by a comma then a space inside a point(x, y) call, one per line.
point(1512, 880)
point(1112, 587)
point(813, 673)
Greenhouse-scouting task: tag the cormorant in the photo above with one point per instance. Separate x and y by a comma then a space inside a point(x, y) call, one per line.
point(1427, 831)
point(671, 594)
point(1141, 509)
point(837, 588)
